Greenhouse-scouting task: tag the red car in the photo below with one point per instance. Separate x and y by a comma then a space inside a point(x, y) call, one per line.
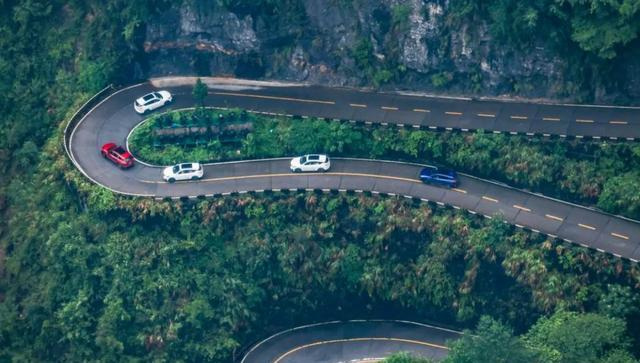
point(117, 154)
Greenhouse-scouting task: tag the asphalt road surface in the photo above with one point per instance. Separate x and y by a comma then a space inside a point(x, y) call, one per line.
point(114, 118)
point(353, 341)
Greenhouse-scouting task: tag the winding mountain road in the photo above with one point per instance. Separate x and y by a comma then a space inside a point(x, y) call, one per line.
point(114, 118)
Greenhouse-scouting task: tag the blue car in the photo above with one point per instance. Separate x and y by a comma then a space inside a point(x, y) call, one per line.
point(445, 177)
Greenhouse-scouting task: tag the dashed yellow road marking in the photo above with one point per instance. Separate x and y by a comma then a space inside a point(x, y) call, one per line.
point(619, 235)
point(421, 110)
point(389, 108)
point(357, 105)
point(459, 190)
point(551, 119)
point(584, 121)
point(551, 216)
point(515, 117)
point(521, 208)
point(248, 95)
point(485, 114)
point(618, 122)
point(419, 342)
point(587, 226)
point(452, 113)
point(489, 199)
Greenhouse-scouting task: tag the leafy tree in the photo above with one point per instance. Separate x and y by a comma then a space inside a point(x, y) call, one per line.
point(571, 337)
point(621, 194)
point(200, 92)
point(490, 342)
point(618, 301)
point(363, 55)
point(602, 27)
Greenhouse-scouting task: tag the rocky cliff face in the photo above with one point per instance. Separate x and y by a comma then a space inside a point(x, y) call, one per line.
point(410, 45)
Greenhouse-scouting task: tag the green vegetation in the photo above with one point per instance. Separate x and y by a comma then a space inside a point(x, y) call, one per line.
point(596, 27)
point(606, 174)
point(563, 337)
point(403, 357)
point(200, 92)
point(593, 37)
point(86, 275)
point(490, 342)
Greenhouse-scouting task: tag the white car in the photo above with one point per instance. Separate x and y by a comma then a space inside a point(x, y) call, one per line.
point(151, 101)
point(185, 171)
point(311, 162)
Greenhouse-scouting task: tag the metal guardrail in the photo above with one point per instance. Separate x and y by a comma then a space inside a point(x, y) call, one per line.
point(79, 114)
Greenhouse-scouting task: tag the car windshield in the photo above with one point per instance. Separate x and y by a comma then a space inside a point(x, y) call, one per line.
point(303, 159)
point(427, 171)
point(176, 169)
point(119, 150)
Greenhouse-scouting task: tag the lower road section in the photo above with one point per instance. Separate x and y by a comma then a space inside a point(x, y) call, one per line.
point(352, 341)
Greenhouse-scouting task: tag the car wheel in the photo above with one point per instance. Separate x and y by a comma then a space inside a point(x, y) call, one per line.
point(194, 178)
point(324, 170)
point(297, 170)
point(171, 180)
point(104, 154)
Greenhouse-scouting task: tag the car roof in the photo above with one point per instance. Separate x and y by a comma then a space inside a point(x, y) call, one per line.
point(316, 157)
point(433, 170)
point(149, 97)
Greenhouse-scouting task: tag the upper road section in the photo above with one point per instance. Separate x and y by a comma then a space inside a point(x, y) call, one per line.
point(431, 112)
point(114, 118)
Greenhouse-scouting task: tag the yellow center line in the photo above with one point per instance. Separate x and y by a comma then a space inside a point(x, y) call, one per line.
point(551, 216)
point(587, 226)
point(274, 98)
point(280, 358)
point(618, 122)
point(518, 117)
point(521, 208)
point(389, 108)
point(619, 235)
point(421, 110)
point(580, 120)
point(459, 190)
point(280, 175)
point(485, 114)
point(551, 119)
point(489, 199)
point(453, 113)
point(357, 105)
